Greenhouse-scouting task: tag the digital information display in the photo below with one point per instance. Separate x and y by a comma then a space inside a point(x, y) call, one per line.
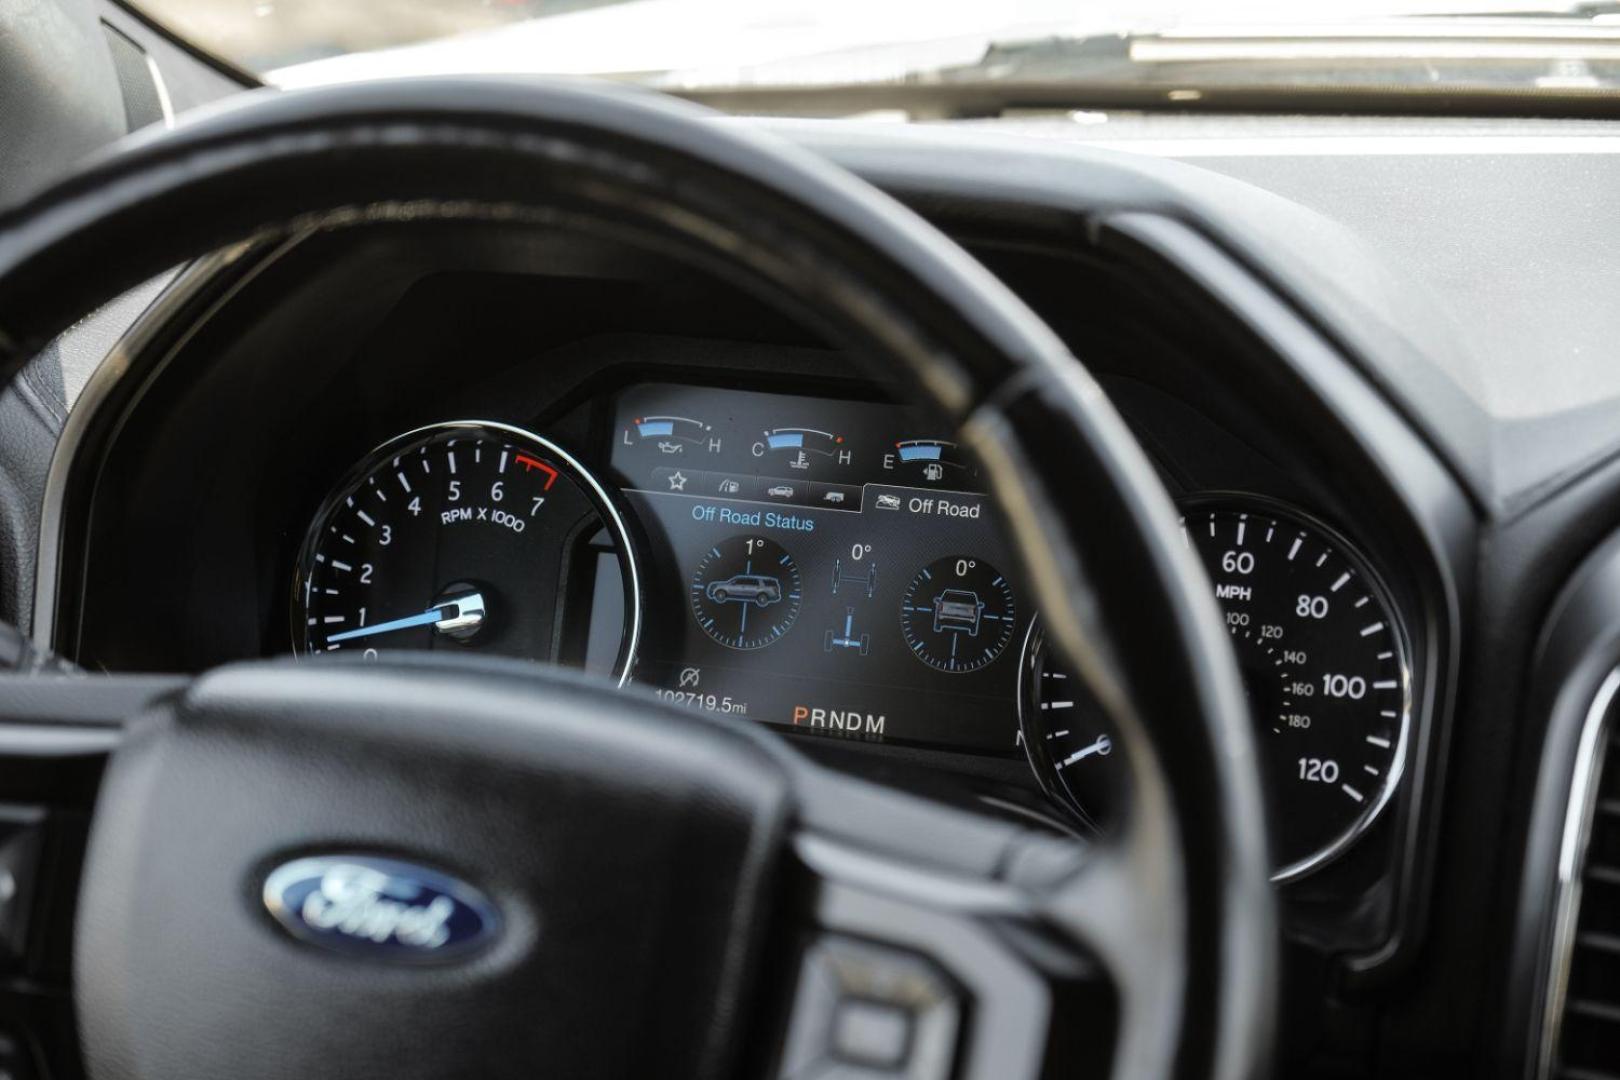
point(828, 566)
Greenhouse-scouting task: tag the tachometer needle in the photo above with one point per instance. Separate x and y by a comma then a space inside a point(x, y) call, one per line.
point(450, 615)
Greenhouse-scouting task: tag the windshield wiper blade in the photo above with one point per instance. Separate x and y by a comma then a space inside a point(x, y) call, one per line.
point(1453, 67)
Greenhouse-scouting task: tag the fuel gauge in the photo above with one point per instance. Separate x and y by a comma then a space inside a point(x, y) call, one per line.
point(929, 461)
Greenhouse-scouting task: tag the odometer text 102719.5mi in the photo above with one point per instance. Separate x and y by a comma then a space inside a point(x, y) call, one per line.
point(1324, 663)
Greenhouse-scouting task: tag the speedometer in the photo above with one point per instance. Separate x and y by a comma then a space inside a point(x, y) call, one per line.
point(1325, 666)
point(1324, 663)
point(470, 536)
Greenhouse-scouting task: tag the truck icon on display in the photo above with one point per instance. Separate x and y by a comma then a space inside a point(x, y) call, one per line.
point(746, 589)
point(958, 610)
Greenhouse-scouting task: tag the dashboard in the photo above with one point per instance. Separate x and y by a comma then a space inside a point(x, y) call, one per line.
point(446, 440)
point(665, 483)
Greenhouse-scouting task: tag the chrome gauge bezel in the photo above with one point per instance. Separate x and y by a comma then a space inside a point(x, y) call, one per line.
point(612, 517)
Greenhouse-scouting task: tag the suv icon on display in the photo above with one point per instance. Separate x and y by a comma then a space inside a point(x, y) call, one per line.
point(746, 588)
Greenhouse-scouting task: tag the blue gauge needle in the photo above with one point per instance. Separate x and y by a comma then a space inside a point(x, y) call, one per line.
point(1104, 746)
point(468, 611)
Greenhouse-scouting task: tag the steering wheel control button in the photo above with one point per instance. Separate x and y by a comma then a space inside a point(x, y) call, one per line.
point(21, 841)
point(876, 1034)
point(864, 1012)
point(385, 909)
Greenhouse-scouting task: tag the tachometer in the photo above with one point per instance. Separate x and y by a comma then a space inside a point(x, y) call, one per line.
point(476, 536)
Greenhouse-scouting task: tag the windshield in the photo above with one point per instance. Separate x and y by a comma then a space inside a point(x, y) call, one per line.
point(1073, 50)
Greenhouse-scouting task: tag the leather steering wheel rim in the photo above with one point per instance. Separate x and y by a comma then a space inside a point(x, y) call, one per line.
point(1093, 528)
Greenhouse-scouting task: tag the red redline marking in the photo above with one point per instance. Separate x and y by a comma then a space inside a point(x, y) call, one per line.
point(533, 463)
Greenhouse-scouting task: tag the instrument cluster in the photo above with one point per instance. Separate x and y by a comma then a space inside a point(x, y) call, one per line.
point(836, 568)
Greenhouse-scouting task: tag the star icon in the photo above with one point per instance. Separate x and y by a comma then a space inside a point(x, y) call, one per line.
point(677, 481)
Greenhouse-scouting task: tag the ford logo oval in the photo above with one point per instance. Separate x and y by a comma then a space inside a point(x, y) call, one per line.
point(384, 908)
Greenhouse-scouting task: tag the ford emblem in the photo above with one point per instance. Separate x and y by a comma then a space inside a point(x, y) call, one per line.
point(384, 908)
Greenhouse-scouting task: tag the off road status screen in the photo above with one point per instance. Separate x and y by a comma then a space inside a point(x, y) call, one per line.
point(830, 566)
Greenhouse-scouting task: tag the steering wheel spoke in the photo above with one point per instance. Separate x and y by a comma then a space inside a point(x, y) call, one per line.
point(945, 940)
point(56, 733)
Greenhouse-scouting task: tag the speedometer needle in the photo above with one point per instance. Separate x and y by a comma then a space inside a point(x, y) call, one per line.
point(451, 615)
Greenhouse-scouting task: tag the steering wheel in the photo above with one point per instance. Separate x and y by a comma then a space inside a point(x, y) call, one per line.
point(645, 891)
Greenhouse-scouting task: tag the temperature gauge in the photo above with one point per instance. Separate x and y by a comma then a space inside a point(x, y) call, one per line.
point(801, 449)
